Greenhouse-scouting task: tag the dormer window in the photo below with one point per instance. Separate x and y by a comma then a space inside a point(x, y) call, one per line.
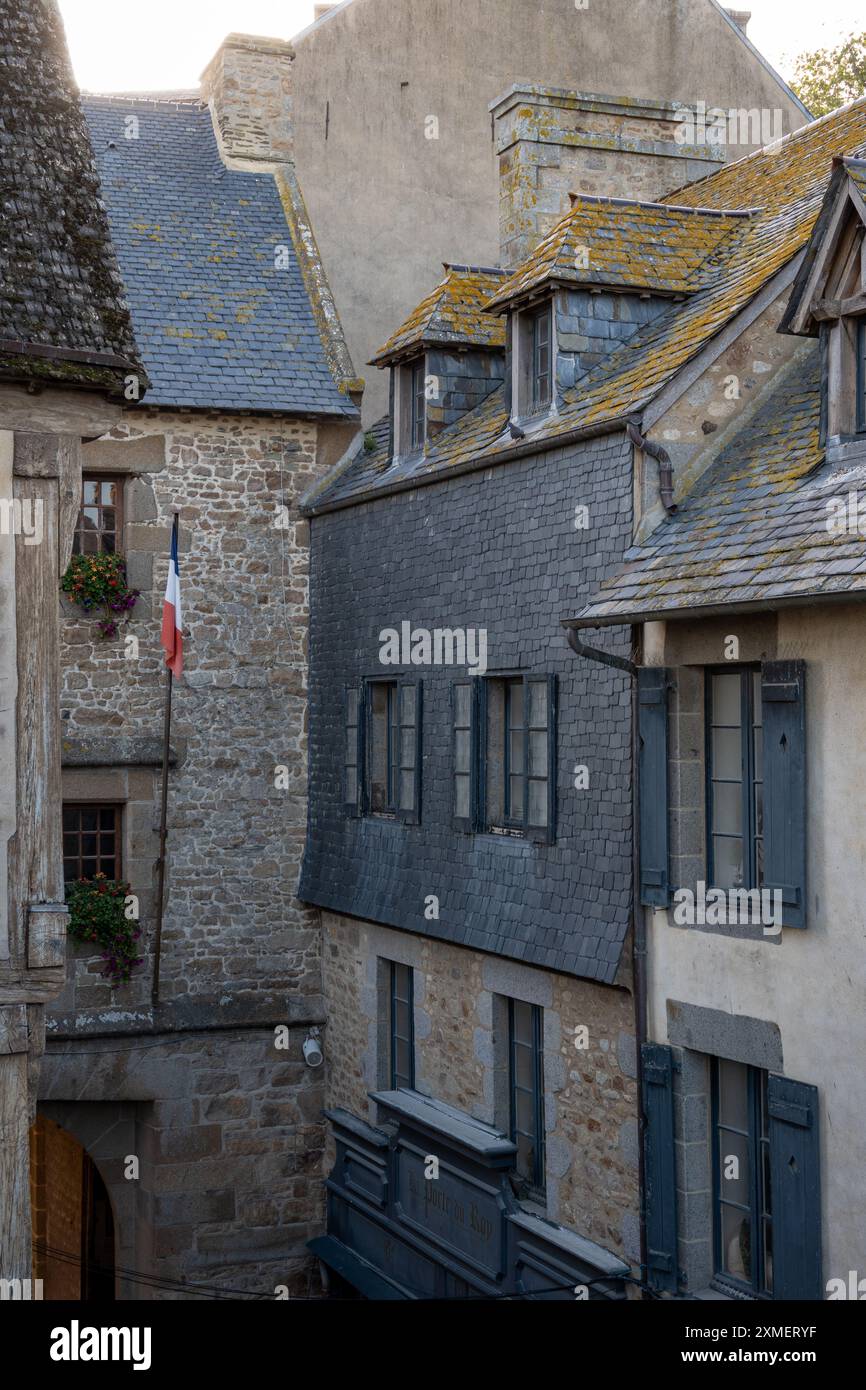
point(410, 407)
point(533, 359)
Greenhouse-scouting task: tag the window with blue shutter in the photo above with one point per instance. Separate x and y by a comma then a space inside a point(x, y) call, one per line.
point(408, 755)
point(653, 684)
point(795, 1169)
point(783, 698)
point(382, 749)
point(659, 1165)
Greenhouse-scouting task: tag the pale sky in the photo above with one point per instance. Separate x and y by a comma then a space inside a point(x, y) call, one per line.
point(166, 43)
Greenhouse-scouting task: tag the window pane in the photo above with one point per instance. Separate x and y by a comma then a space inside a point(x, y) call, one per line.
point(727, 863)
point(407, 704)
point(407, 748)
point(736, 1243)
point(523, 1065)
point(89, 820)
point(734, 1167)
point(515, 750)
point(461, 750)
point(90, 491)
point(407, 791)
point(461, 705)
point(727, 754)
point(538, 753)
point(515, 704)
point(727, 808)
point(726, 699)
point(538, 704)
point(515, 798)
point(733, 1095)
point(351, 785)
point(537, 803)
point(461, 797)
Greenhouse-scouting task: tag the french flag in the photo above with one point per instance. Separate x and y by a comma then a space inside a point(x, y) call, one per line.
point(172, 617)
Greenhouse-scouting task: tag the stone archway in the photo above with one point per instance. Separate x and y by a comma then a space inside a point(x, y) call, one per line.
point(73, 1220)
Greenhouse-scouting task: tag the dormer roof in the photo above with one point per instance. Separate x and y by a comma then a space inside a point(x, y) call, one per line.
point(815, 297)
point(451, 315)
point(624, 244)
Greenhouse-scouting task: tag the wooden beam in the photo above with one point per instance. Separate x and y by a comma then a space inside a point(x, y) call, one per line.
point(824, 309)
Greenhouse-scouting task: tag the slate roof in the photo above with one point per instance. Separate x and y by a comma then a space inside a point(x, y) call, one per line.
point(221, 325)
point(625, 244)
point(63, 316)
point(754, 530)
point(785, 182)
point(453, 313)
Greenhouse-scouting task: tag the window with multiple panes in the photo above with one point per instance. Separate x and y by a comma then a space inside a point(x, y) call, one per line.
point(401, 988)
point(91, 841)
point(382, 749)
point(100, 521)
point(741, 1177)
point(382, 746)
point(503, 755)
point(735, 779)
point(541, 366)
point(526, 1090)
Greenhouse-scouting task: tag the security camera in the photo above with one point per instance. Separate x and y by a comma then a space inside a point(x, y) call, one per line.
point(313, 1055)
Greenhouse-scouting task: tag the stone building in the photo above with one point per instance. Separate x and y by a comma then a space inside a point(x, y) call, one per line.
point(471, 831)
point(67, 357)
point(205, 1088)
point(397, 113)
point(748, 619)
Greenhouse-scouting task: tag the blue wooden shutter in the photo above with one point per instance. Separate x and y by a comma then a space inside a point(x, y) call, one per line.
point(659, 1165)
point(539, 760)
point(409, 705)
point(783, 704)
point(353, 749)
point(652, 687)
point(795, 1169)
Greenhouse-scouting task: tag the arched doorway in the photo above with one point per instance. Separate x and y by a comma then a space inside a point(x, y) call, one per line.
point(73, 1223)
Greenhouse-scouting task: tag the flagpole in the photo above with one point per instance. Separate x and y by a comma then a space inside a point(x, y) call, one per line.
point(163, 830)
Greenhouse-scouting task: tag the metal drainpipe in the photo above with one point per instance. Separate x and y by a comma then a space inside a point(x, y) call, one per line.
point(638, 920)
point(663, 459)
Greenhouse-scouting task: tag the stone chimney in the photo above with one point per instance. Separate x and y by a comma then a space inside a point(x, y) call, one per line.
point(740, 17)
point(552, 142)
point(248, 86)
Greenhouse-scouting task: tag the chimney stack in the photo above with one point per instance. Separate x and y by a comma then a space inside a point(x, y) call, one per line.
point(552, 142)
point(248, 86)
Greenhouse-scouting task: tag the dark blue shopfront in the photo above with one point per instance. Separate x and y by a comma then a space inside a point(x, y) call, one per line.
point(421, 1207)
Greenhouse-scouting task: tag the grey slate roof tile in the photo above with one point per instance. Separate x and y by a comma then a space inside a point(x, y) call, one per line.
point(220, 325)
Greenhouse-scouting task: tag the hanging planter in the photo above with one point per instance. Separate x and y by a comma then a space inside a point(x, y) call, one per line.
point(97, 917)
point(99, 581)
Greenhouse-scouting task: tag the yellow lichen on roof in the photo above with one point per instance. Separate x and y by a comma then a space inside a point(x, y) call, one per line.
point(623, 243)
point(452, 313)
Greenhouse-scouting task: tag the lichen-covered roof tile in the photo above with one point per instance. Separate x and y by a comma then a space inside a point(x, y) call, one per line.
point(63, 315)
point(453, 313)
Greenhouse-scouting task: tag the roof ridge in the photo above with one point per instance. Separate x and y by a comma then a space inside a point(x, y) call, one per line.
point(801, 133)
point(654, 203)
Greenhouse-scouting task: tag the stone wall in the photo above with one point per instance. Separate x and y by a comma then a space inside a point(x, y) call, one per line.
point(227, 1126)
point(590, 1094)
